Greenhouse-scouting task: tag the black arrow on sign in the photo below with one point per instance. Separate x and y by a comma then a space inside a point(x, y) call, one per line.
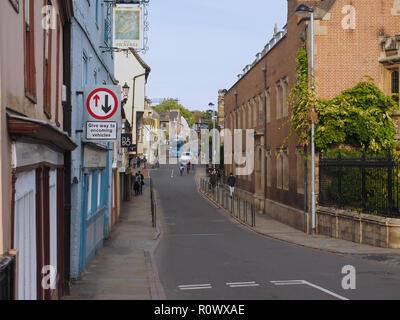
point(106, 108)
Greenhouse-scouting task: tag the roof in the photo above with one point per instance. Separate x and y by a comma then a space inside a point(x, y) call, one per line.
point(141, 61)
point(39, 131)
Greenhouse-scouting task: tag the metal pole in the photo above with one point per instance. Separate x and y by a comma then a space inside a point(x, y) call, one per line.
point(214, 142)
point(313, 205)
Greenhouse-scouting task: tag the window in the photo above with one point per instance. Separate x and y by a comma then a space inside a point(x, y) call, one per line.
point(269, 169)
point(268, 115)
point(97, 12)
point(279, 170)
point(29, 50)
point(58, 71)
point(285, 97)
point(89, 194)
point(395, 85)
point(85, 69)
point(278, 100)
point(255, 111)
point(282, 168)
point(47, 67)
point(260, 109)
point(249, 114)
point(99, 180)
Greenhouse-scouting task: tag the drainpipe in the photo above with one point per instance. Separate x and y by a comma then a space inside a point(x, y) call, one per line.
point(133, 102)
point(264, 70)
point(67, 126)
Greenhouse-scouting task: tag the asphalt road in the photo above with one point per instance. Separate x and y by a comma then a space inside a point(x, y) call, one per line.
point(204, 255)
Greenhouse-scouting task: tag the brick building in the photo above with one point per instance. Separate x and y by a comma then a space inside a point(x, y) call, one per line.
point(350, 43)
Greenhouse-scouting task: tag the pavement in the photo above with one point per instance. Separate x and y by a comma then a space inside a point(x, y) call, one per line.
point(123, 269)
point(205, 254)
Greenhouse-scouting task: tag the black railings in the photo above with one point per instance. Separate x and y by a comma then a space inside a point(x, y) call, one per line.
point(153, 205)
point(238, 207)
point(366, 184)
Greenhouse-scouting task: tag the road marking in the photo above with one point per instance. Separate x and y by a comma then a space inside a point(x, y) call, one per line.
point(195, 287)
point(172, 174)
point(242, 284)
point(303, 282)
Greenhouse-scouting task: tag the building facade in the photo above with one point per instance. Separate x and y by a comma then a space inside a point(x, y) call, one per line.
point(92, 64)
point(33, 143)
point(348, 46)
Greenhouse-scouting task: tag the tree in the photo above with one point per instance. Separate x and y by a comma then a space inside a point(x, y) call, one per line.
point(171, 104)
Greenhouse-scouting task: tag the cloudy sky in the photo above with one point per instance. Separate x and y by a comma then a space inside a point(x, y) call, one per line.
point(199, 46)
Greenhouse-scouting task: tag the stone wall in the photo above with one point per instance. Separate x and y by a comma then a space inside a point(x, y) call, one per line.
point(360, 228)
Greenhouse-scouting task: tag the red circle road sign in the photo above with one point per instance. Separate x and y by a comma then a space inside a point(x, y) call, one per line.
point(99, 104)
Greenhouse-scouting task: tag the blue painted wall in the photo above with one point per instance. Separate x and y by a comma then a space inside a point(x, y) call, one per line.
point(90, 66)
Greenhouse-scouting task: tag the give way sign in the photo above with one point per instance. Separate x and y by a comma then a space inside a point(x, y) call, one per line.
point(102, 113)
point(102, 104)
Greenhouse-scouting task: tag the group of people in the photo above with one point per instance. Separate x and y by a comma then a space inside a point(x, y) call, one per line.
point(138, 183)
point(215, 178)
point(182, 167)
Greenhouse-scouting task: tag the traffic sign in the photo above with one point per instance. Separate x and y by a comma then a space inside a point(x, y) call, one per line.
point(102, 104)
point(103, 113)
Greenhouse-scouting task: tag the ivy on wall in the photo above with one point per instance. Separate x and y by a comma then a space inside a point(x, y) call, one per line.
point(358, 118)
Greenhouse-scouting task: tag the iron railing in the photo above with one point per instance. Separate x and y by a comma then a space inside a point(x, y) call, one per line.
point(367, 184)
point(7, 277)
point(239, 208)
point(153, 205)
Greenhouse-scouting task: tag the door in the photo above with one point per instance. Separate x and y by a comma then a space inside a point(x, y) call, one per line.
point(25, 234)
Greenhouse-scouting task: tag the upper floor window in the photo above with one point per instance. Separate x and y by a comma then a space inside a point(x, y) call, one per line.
point(29, 50)
point(47, 67)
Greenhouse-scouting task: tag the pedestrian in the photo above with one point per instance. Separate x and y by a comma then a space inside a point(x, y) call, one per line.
point(231, 184)
point(188, 167)
point(133, 183)
point(213, 179)
point(141, 182)
point(181, 168)
point(137, 162)
point(137, 185)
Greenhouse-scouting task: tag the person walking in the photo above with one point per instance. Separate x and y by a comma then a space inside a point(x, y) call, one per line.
point(141, 182)
point(231, 184)
point(137, 185)
point(188, 167)
point(213, 179)
point(181, 168)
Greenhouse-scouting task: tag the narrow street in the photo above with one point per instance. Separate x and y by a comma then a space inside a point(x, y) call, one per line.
point(203, 254)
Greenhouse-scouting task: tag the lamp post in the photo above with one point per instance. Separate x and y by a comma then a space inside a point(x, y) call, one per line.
point(212, 105)
point(304, 11)
point(236, 127)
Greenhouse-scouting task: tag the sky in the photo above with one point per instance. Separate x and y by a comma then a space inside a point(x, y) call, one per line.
point(197, 47)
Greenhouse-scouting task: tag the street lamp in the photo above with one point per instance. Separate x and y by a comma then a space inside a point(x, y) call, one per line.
point(304, 11)
point(125, 90)
point(212, 105)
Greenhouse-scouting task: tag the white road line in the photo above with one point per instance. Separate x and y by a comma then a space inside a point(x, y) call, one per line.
point(196, 287)
point(326, 291)
point(242, 284)
point(303, 282)
point(172, 174)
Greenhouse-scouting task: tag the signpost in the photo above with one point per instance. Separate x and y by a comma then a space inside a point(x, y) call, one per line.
point(103, 113)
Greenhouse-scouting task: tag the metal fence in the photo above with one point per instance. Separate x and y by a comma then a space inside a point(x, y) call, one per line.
point(366, 184)
point(241, 209)
point(7, 278)
point(153, 205)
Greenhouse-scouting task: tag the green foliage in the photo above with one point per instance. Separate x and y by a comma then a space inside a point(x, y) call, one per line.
point(171, 104)
point(359, 117)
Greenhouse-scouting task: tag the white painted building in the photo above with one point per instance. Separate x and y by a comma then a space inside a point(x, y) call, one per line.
point(130, 69)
